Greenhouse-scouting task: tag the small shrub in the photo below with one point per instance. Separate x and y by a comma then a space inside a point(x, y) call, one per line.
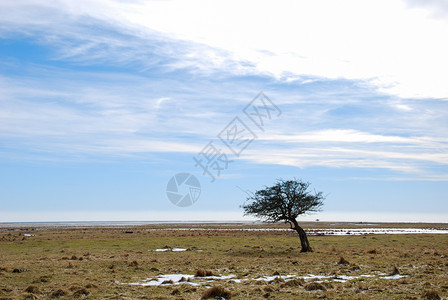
point(394, 271)
point(167, 282)
point(277, 280)
point(216, 292)
point(293, 283)
point(343, 261)
point(327, 285)
point(203, 273)
point(315, 286)
point(268, 289)
point(431, 295)
point(134, 264)
point(43, 279)
point(58, 293)
point(82, 292)
point(32, 289)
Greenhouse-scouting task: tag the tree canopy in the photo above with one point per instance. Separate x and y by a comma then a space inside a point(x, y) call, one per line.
point(284, 202)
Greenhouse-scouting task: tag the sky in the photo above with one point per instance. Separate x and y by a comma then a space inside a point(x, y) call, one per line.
point(103, 102)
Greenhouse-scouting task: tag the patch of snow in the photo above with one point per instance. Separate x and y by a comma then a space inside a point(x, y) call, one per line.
point(163, 278)
point(396, 276)
point(311, 276)
point(171, 249)
point(270, 278)
point(176, 279)
point(196, 281)
point(218, 277)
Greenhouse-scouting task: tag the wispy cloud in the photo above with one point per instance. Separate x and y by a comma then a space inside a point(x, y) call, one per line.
point(359, 88)
point(390, 45)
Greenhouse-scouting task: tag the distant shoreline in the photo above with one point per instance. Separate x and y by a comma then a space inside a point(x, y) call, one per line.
point(192, 224)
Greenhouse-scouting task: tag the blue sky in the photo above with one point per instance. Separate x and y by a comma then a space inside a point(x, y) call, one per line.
point(102, 102)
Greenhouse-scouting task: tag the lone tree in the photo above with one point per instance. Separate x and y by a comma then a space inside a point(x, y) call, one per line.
point(284, 202)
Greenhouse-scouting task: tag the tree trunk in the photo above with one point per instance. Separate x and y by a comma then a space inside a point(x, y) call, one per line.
point(303, 238)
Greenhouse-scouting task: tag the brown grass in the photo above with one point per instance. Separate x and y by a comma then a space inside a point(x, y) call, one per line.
point(105, 247)
point(216, 292)
point(30, 296)
point(315, 286)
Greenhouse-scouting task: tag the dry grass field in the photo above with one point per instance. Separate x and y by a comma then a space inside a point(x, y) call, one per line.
point(123, 263)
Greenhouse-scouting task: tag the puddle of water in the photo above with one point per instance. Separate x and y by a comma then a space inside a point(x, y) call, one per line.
point(325, 231)
point(361, 231)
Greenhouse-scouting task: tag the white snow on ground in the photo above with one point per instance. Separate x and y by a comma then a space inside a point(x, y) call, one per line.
point(397, 276)
point(164, 278)
point(196, 281)
point(270, 278)
point(170, 249)
point(176, 279)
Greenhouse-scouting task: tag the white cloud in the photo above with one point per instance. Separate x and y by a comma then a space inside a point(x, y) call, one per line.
point(396, 47)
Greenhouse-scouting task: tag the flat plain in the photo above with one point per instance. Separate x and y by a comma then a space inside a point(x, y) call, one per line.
point(248, 261)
